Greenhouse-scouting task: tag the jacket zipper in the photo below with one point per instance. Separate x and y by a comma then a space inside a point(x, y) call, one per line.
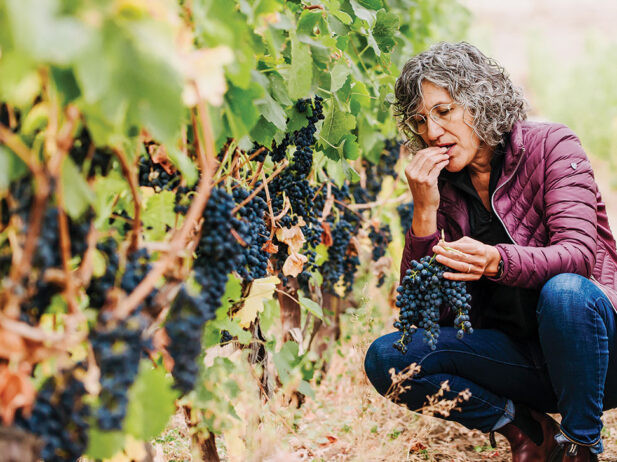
point(498, 188)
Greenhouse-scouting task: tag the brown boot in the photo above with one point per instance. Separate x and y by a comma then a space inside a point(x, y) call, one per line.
point(575, 453)
point(524, 449)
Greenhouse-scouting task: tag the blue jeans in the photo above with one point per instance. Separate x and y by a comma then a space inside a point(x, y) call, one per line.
point(571, 369)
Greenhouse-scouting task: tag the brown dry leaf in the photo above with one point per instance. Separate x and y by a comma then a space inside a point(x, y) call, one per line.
point(293, 237)
point(159, 156)
point(16, 391)
point(294, 264)
point(417, 446)
point(354, 245)
point(12, 345)
point(326, 235)
point(270, 247)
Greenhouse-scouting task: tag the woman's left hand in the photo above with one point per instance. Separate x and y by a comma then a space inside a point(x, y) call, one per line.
point(472, 259)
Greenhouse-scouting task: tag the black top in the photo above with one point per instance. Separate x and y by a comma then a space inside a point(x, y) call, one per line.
point(510, 309)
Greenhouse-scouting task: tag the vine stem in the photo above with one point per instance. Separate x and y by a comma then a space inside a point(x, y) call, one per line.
point(269, 202)
point(132, 179)
point(349, 208)
point(178, 243)
point(261, 186)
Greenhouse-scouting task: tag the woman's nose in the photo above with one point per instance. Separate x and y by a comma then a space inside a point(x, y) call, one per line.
point(433, 129)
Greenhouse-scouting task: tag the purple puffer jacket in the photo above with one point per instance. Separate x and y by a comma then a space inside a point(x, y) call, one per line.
point(551, 207)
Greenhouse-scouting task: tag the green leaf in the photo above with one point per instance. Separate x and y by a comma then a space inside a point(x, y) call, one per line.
point(363, 13)
point(279, 89)
point(336, 125)
point(184, 164)
point(351, 149)
point(384, 30)
point(272, 111)
point(11, 167)
point(41, 32)
point(338, 76)
point(308, 20)
point(301, 71)
point(242, 108)
point(336, 172)
point(371, 4)
point(76, 192)
point(311, 306)
point(159, 213)
point(103, 444)
point(263, 132)
point(285, 360)
point(151, 402)
point(305, 389)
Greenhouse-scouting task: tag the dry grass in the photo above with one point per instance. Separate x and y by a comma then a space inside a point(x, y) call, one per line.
point(349, 421)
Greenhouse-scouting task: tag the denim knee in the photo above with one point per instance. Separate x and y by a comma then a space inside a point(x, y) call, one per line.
point(374, 367)
point(561, 294)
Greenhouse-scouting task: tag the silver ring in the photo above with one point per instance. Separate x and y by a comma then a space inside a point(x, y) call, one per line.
point(469, 269)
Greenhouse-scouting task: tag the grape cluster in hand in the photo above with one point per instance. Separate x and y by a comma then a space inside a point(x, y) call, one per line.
point(423, 291)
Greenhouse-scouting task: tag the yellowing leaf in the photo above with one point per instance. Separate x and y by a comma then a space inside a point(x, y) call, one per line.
point(253, 305)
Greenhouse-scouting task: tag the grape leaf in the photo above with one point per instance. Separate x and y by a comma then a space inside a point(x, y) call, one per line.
point(159, 213)
point(384, 30)
point(76, 192)
point(152, 385)
point(301, 71)
point(311, 306)
point(336, 125)
point(272, 111)
point(253, 304)
point(338, 76)
point(104, 444)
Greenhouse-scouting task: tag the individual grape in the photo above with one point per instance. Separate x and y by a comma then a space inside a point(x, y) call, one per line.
point(60, 418)
point(423, 291)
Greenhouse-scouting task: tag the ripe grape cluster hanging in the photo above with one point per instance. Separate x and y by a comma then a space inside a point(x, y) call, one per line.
point(420, 296)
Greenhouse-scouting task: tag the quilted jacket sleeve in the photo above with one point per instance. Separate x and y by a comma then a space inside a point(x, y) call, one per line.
point(570, 213)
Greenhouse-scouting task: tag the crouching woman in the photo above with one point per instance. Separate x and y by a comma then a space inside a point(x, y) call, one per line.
point(525, 226)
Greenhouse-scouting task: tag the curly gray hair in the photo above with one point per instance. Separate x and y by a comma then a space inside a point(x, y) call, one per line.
point(473, 80)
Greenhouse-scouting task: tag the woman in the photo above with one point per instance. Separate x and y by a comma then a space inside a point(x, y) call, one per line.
point(518, 203)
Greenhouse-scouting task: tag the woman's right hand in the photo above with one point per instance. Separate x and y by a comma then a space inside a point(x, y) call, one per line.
point(422, 172)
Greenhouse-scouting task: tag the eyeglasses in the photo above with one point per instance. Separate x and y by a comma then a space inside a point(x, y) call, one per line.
point(440, 114)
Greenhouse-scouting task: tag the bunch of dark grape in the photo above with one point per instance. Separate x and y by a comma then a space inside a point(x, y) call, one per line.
point(60, 418)
point(335, 267)
point(155, 176)
point(255, 258)
point(304, 138)
point(420, 296)
point(375, 173)
point(99, 287)
point(96, 161)
point(184, 328)
point(117, 348)
point(137, 267)
point(218, 254)
point(380, 238)
point(405, 212)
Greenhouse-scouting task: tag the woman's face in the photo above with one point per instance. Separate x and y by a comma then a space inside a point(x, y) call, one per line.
point(456, 132)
